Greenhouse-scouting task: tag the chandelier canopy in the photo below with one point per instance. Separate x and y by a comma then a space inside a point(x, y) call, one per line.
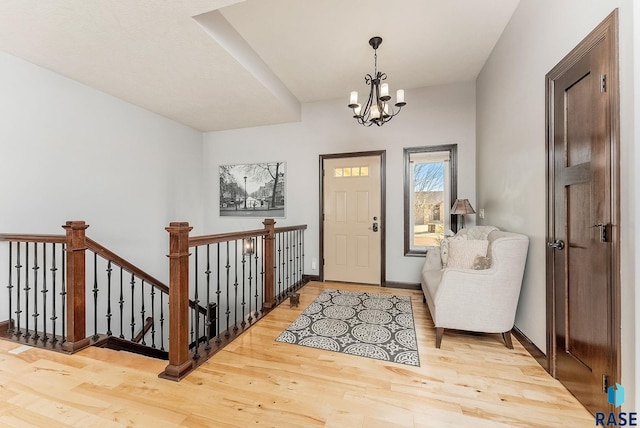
point(377, 110)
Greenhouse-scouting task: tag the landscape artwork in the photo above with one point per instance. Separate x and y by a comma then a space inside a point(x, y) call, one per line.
point(253, 190)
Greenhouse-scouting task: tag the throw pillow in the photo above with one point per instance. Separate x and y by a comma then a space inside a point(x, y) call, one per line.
point(444, 247)
point(481, 263)
point(462, 253)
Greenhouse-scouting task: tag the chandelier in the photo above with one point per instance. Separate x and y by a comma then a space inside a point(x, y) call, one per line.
point(377, 109)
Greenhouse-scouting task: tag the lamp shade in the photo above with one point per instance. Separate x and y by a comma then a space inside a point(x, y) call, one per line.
point(462, 206)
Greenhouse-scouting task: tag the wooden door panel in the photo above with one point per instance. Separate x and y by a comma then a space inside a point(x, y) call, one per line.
point(582, 306)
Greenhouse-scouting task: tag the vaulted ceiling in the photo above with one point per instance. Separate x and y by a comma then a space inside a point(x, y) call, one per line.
point(224, 64)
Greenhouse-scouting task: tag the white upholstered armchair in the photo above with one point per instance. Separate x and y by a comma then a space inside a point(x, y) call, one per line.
point(477, 300)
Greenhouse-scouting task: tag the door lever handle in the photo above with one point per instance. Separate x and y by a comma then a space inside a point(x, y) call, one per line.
point(558, 244)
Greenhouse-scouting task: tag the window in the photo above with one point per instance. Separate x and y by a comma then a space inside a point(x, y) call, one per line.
point(353, 171)
point(429, 192)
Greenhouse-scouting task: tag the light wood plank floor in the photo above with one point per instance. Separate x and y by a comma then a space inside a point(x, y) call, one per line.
point(472, 381)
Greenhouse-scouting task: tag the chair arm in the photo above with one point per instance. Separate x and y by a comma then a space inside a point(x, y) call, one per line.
point(475, 300)
point(432, 261)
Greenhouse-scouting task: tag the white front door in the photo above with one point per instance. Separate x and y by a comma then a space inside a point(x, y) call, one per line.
point(352, 219)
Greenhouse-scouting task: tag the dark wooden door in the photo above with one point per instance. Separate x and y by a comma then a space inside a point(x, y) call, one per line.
point(582, 220)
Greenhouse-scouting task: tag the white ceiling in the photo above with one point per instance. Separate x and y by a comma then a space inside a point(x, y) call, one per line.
point(224, 64)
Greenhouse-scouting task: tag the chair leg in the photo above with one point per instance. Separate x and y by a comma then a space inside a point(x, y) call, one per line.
point(439, 333)
point(506, 336)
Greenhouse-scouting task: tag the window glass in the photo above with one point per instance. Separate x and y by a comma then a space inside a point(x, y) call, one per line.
point(429, 193)
point(353, 171)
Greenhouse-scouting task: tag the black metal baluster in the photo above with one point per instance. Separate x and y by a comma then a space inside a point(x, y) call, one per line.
point(35, 314)
point(63, 294)
point(162, 321)
point(142, 313)
point(18, 311)
point(252, 246)
point(244, 261)
point(95, 297)
point(302, 250)
point(53, 318)
point(292, 248)
point(209, 315)
point(153, 317)
point(298, 266)
point(261, 288)
point(228, 312)
point(295, 262)
point(133, 307)
point(196, 313)
point(26, 290)
point(109, 314)
point(121, 302)
point(288, 260)
point(10, 286)
point(279, 260)
point(218, 339)
point(235, 287)
point(44, 292)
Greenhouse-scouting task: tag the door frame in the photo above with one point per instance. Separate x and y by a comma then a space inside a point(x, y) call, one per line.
point(609, 29)
point(383, 207)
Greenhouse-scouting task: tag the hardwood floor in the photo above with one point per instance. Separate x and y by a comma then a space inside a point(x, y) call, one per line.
point(472, 381)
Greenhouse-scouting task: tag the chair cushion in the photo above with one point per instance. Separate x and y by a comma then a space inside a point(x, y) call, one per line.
point(462, 253)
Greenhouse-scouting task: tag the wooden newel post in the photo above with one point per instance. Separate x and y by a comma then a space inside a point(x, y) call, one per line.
point(269, 263)
point(179, 360)
point(76, 277)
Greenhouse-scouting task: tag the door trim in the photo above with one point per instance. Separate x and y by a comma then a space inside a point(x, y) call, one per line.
point(383, 207)
point(607, 29)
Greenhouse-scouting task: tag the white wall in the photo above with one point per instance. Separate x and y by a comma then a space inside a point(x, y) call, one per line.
point(511, 145)
point(433, 116)
point(69, 152)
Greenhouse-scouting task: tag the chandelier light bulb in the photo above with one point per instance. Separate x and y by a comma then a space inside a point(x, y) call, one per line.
point(375, 112)
point(384, 92)
point(353, 99)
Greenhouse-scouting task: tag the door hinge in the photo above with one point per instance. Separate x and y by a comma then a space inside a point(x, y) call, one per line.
point(603, 83)
point(323, 262)
point(605, 383)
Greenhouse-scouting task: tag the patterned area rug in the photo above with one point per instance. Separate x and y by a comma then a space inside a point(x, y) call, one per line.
point(370, 325)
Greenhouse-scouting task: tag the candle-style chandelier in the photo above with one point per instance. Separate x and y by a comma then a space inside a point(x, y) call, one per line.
point(377, 109)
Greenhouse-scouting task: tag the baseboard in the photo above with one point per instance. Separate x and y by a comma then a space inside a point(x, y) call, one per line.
point(403, 285)
point(308, 278)
point(531, 348)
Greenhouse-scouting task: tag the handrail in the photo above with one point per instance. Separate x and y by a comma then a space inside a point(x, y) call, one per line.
point(223, 237)
point(129, 267)
point(290, 228)
point(23, 237)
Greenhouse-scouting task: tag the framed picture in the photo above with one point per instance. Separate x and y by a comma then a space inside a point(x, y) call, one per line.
point(253, 190)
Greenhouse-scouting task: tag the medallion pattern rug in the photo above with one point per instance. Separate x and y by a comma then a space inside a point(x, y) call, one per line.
point(370, 325)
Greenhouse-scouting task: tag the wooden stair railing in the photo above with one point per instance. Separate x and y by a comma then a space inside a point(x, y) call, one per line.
point(59, 317)
point(249, 282)
point(255, 286)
